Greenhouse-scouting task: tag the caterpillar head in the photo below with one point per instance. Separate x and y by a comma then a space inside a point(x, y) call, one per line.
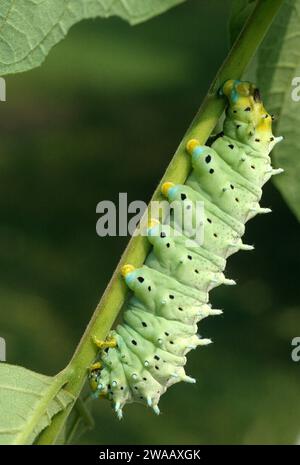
point(245, 102)
point(247, 118)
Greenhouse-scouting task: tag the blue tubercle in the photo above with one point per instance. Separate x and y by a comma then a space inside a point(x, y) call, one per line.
point(197, 152)
point(130, 277)
point(234, 94)
point(172, 192)
point(152, 230)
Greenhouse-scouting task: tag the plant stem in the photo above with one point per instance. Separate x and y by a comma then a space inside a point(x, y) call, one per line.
point(203, 124)
point(82, 415)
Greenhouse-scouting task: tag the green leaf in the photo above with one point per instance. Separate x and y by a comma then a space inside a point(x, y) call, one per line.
point(28, 402)
point(240, 10)
point(278, 63)
point(28, 30)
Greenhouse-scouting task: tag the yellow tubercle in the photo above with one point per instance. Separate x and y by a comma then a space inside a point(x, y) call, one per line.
point(126, 269)
point(165, 188)
point(243, 89)
point(191, 144)
point(227, 87)
point(152, 222)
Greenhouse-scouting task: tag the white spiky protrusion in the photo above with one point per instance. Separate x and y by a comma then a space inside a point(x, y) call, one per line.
point(261, 210)
point(278, 139)
point(215, 311)
point(241, 246)
point(189, 379)
point(246, 247)
point(204, 341)
point(119, 413)
point(229, 282)
point(156, 409)
point(275, 171)
point(257, 211)
point(208, 311)
point(118, 410)
point(222, 280)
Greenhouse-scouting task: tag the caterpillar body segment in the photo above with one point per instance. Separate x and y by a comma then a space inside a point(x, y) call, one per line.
point(146, 353)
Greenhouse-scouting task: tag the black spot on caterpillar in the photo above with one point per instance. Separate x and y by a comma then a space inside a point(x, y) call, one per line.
point(170, 291)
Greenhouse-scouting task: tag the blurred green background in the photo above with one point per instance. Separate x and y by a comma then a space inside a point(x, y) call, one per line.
point(104, 115)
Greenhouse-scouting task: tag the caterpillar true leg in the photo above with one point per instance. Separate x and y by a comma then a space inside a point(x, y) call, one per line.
point(95, 366)
point(110, 342)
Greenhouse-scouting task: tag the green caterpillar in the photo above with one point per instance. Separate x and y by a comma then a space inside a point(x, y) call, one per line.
point(146, 354)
